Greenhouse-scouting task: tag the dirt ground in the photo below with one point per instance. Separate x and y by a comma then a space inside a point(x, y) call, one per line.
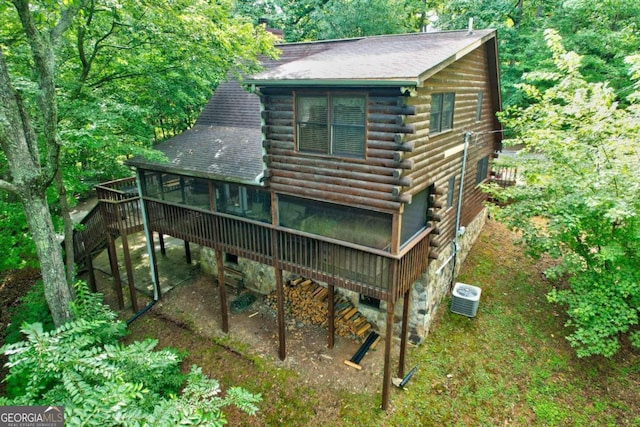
point(191, 300)
point(195, 305)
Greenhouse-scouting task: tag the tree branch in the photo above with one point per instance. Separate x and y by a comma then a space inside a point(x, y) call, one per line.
point(7, 186)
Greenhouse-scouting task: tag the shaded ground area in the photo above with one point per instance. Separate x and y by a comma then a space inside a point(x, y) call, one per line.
point(13, 285)
point(191, 302)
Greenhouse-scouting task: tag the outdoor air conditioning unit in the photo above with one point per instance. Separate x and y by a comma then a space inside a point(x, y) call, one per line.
point(465, 299)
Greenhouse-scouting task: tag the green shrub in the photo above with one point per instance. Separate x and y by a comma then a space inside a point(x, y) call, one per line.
point(32, 308)
point(101, 382)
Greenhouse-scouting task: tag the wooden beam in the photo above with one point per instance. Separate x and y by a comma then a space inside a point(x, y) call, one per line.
point(223, 291)
point(92, 274)
point(115, 270)
point(332, 315)
point(388, 339)
point(403, 336)
point(282, 350)
point(187, 251)
point(130, 277)
point(163, 249)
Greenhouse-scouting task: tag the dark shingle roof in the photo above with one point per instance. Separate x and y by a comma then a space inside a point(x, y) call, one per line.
point(225, 143)
point(406, 58)
point(232, 106)
point(225, 153)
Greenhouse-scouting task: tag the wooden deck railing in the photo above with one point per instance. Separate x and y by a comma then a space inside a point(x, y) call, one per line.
point(90, 235)
point(119, 189)
point(120, 206)
point(504, 176)
point(373, 272)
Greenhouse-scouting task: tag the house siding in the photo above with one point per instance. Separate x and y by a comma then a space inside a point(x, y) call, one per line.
point(437, 157)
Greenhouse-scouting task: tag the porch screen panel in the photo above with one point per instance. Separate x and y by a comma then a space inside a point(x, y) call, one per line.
point(244, 201)
point(311, 118)
point(348, 125)
point(349, 224)
point(414, 218)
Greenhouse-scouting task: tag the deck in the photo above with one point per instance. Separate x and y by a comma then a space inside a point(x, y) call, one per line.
point(372, 272)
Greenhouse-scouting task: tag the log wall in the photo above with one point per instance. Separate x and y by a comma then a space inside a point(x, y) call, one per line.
point(437, 157)
point(402, 157)
point(377, 182)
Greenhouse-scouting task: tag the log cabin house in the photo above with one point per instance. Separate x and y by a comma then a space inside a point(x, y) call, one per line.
point(353, 162)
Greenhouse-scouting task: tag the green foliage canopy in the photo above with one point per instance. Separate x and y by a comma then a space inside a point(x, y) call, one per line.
point(580, 204)
point(334, 19)
point(127, 74)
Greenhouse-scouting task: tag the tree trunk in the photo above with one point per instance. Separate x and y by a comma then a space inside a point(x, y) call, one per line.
point(56, 289)
point(65, 212)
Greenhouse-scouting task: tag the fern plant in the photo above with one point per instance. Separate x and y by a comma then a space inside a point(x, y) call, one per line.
point(101, 382)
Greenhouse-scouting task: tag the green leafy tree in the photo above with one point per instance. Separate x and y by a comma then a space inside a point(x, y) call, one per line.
point(85, 84)
point(333, 19)
point(100, 382)
point(580, 203)
point(602, 32)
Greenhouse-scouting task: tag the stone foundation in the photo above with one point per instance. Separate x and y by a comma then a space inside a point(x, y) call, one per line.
point(428, 291)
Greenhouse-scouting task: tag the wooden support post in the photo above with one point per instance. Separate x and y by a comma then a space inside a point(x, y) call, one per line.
point(332, 315)
point(282, 352)
point(154, 264)
point(92, 275)
point(115, 270)
point(187, 251)
point(403, 336)
point(129, 267)
point(163, 250)
point(388, 339)
point(223, 291)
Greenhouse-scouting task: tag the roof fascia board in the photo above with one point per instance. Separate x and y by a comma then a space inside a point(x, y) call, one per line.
point(196, 174)
point(334, 83)
point(453, 58)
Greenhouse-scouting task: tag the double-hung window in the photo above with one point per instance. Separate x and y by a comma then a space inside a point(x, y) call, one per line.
point(441, 117)
point(331, 124)
point(483, 169)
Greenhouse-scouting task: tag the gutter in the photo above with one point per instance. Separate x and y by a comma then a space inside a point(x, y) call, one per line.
point(330, 82)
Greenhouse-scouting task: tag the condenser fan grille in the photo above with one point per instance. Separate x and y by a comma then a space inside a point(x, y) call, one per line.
point(465, 299)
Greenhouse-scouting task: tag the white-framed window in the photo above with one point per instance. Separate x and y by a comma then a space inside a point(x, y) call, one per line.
point(331, 124)
point(441, 117)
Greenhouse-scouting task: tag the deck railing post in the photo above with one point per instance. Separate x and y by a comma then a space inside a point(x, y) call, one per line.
point(386, 382)
point(282, 348)
point(403, 335)
point(115, 270)
point(391, 306)
point(331, 315)
point(223, 291)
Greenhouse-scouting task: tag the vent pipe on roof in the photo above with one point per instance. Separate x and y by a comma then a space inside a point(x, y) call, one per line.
point(470, 26)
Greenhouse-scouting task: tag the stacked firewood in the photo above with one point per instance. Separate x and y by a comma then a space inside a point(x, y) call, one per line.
point(308, 302)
